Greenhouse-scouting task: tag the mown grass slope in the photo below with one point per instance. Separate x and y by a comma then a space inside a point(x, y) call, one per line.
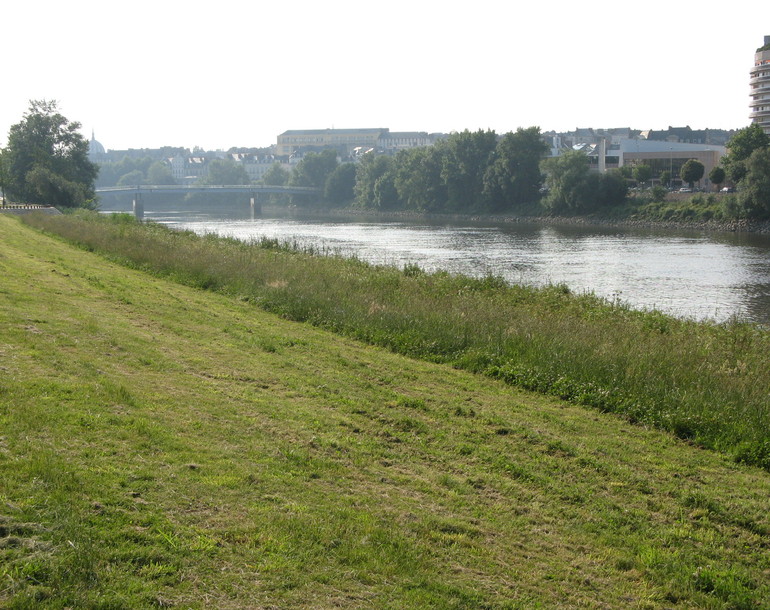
point(162, 446)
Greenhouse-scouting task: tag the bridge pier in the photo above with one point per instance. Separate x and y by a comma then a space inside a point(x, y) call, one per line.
point(138, 206)
point(256, 206)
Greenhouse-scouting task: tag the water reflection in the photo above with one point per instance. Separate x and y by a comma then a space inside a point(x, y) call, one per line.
point(701, 276)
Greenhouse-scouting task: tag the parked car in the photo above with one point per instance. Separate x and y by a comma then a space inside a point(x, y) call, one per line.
point(685, 189)
point(728, 189)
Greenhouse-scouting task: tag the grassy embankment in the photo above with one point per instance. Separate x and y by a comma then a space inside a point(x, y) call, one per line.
point(166, 446)
point(704, 382)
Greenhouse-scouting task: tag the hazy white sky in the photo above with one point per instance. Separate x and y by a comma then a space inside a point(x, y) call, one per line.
point(239, 72)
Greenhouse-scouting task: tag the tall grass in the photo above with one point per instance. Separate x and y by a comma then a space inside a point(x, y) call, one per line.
point(705, 382)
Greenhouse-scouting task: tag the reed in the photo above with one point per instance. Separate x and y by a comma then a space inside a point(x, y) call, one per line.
point(703, 381)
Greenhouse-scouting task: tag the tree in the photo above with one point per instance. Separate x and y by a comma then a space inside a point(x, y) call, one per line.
point(740, 148)
point(514, 178)
point(314, 169)
point(47, 159)
point(642, 173)
point(612, 190)
point(160, 173)
point(692, 171)
point(373, 172)
point(340, 184)
point(276, 176)
point(566, 179)
point(717, 176)
point(467, 158)
point(665, 178)
point(418, 179)
point(133, 178)
point(755, 186)
point(573, 187)
point(223, 172)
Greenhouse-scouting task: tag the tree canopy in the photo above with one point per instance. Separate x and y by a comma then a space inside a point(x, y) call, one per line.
point(514, 179)
point(46, 159)
point(717, 175)
point(573, 188)
point(642, 173)
point(739, 149)
point(223, 172)
point(755, 186)
point(692, 171)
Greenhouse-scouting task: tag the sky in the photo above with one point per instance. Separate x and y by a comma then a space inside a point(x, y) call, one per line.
point(145, 74)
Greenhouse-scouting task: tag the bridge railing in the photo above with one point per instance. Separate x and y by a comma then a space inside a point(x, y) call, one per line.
point(234, 188)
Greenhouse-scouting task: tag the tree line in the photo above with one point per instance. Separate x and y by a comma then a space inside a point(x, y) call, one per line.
point(46, 161)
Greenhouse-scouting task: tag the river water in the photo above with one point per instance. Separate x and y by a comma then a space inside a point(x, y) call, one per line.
point(696, 275)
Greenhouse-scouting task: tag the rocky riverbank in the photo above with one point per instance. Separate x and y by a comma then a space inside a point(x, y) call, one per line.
point(717, 226)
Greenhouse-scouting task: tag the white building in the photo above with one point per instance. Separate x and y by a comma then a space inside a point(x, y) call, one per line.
point(760, 88)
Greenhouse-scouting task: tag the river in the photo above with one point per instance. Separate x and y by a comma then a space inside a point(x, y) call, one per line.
point(696, 275)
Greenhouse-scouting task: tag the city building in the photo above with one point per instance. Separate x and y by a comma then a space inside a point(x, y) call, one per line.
point(391, 142)
point(760, 88)
point(344, 141)
point(96, 152)
point(718, 137)
point(665, 156)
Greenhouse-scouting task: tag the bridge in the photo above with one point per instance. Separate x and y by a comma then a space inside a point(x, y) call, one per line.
point(140, 190)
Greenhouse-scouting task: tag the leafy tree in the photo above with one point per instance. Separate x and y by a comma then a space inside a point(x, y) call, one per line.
point(276, 176)
point(717, 176)
point(746, 141)
point(418, 178)
point(574, 188)
point(514, 178)
point(132, 178)
point(340, 184)
point(314, 169)
point(665, 178)
point(754, 194)
point(110, 173)
point(566, 179)
point(160, 173)
point(465, 163)
point(642, 173)
point(626, 171)
point(47, 159)
point(740, 148)
point(612, 189)
point(372, 173)
point(224, 172)
point(692, 171)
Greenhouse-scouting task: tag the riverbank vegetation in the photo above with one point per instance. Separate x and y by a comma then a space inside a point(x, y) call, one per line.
point(703, 382)
point(166, 446)
point(476, 173)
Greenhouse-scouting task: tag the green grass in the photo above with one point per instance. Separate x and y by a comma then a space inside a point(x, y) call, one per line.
point(163, 446)
point(703, 382)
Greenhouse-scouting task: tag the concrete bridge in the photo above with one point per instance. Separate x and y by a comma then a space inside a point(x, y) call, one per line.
point(139, 191)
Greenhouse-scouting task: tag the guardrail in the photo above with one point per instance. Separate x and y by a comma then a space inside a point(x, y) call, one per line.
point(234, 188)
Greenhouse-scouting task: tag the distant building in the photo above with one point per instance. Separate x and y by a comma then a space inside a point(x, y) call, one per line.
point(256, 165)
point(718, 137)
point(760, 88)
point(96, 152)
point(344, 141)
point(391, 142)
point(351, 143)
point(666, 156)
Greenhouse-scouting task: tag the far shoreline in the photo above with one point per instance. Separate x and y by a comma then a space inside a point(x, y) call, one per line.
point(713, 226)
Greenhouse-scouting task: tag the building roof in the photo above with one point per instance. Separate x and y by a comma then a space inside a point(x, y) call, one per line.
point(315, 132)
